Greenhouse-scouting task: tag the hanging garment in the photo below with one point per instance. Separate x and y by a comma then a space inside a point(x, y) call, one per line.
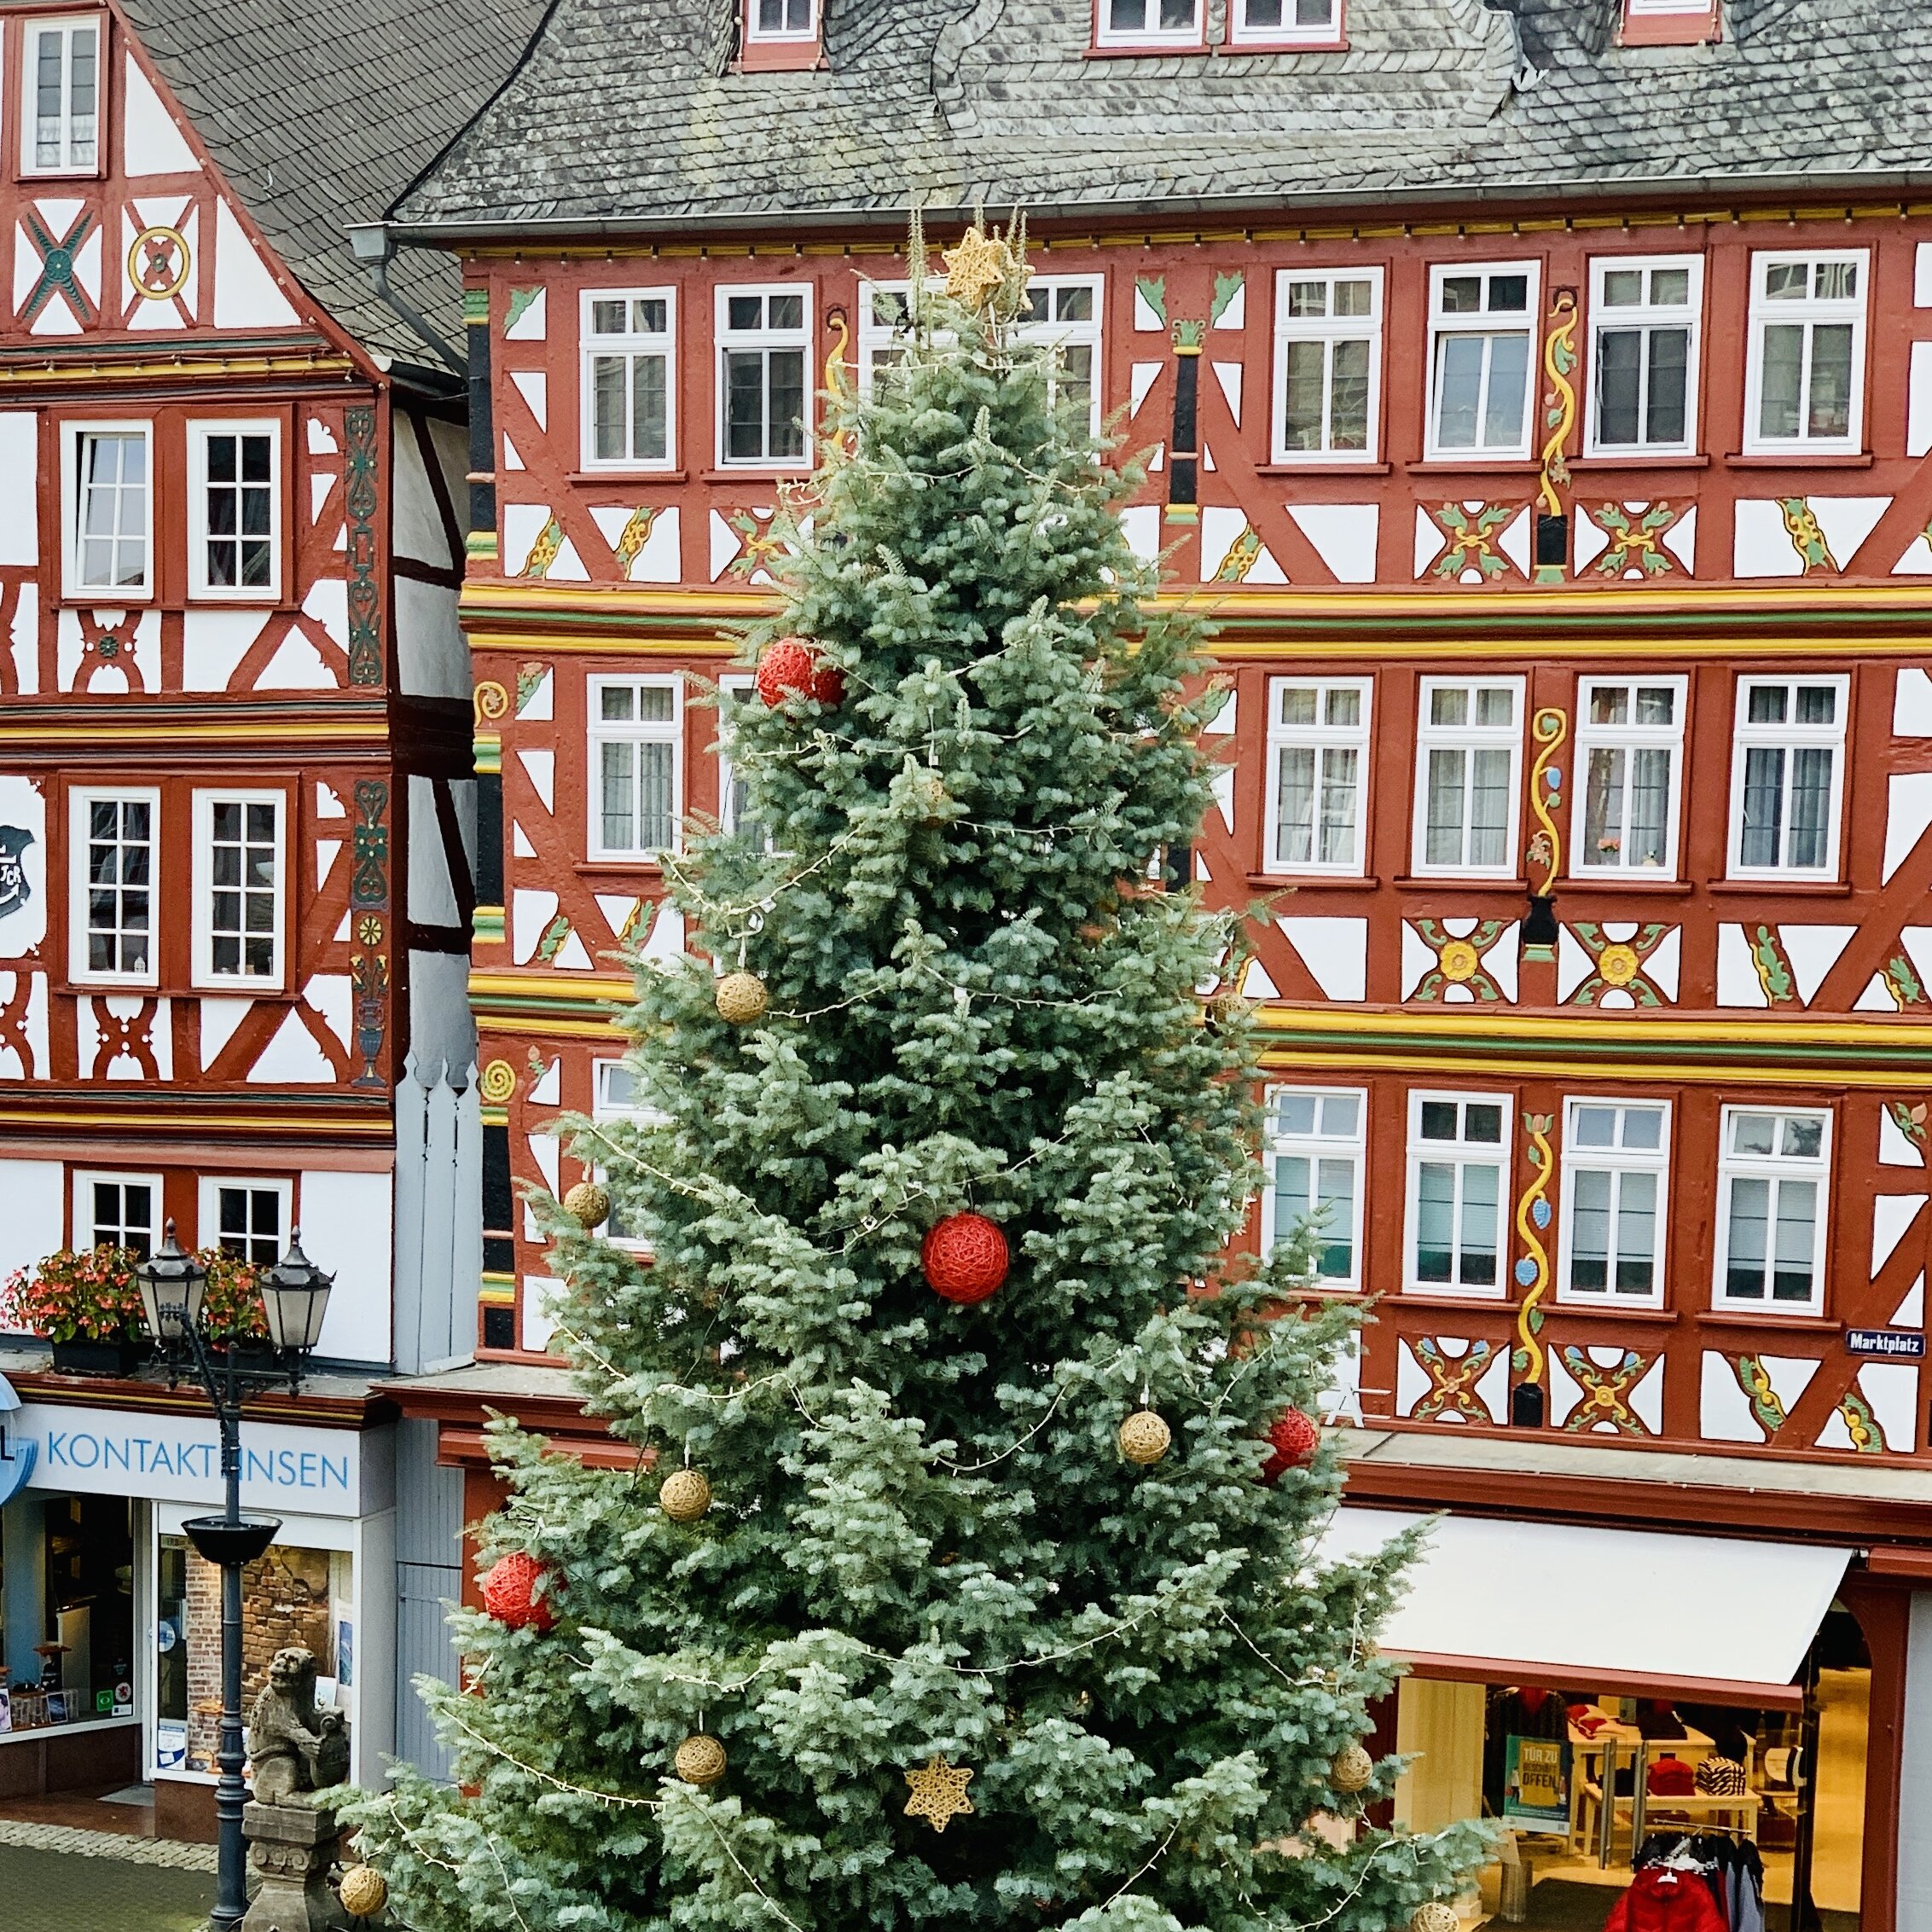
point(1663, 1899)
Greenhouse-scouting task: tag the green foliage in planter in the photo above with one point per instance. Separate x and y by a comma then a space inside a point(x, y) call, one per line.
point(92, 1295)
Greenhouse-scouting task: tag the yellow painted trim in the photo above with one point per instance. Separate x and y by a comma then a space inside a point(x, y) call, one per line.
point(604, 644)
point(29, 730)
point(213, 368)
point(526, 1026)
point(552, 986)
point(1510, 1025)
point(1650, 1073)
point(22, 1112)
point(1590, 648)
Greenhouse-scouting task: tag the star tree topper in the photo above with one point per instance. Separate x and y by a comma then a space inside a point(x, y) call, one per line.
point(984, 266)
point(939, 1792)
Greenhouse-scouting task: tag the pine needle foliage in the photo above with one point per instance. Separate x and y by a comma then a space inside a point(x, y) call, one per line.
point(924, 1538)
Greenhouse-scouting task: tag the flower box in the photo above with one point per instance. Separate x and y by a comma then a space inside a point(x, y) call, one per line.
point(81, 1357)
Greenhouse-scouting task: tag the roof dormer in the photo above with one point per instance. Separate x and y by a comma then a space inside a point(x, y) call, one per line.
point(1670, 23)
point(777, 34)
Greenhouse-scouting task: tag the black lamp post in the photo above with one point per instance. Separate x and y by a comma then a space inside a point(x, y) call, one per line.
point(294, 1298)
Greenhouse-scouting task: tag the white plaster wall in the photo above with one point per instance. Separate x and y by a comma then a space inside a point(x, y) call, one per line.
point(32, 1220)
point(346, 1229)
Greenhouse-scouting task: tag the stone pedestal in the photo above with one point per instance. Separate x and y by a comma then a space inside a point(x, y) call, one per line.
point(293, 1848)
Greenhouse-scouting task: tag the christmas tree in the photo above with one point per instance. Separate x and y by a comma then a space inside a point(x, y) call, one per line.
point(969, 1575)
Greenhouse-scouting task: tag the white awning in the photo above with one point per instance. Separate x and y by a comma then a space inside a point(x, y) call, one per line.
point(1577, 1607)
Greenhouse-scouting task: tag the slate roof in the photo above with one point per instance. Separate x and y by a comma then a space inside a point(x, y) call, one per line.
point(625, 113)
point(319, 112)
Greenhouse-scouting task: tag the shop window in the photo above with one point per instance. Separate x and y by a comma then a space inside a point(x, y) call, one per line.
point(734, 798)
point(239, 884)
point(1615, 1159)
point(1630, 743)
point(1274, 23)
point(764, 338)
point(499, 1203)
point(111, 838)
point(1482, 330)
point(1787, 777)
point(636, 732)
point(109, 514)
point(1644, 319)
point(630, 395)
point(1317, 774)
point(1149, 23)
point(60, 77)
point(1772, 1176)
point(1458, 1155)
point(118, 1210)
point(1467, 749)
point(1315, 1152)
point(247, 1219)
point(66, 1611)
point(1804, 381)
point(1327, 365)
point(235, 498)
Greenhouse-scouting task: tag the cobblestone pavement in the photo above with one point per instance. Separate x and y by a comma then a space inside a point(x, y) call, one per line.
point(56, 1879)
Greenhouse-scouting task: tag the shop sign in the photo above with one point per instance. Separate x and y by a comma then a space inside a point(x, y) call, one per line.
point(1536, 1781)
point(1907, 1343)
point(17, 1455)
point(176, 1459)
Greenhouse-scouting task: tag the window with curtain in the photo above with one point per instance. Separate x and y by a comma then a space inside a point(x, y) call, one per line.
point(1629, 744)
point(1805, 371)
point(1482, 329)
point(1318, 769)
point(1787, 777)
point(1459, 1154)
point(1468, 748)
point(1613, 1156)
point(1771, 1176)
point(1315, 1142)
point(634, 744)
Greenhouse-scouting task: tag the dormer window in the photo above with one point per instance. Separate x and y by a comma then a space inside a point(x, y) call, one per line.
point(1132, 25)
point(781, 33)
point(1670, 23)
point(60, 72)
point(1285, 23)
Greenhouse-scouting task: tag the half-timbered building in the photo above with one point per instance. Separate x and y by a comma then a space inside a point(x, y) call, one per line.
point(237, 816)
point(1539, 392)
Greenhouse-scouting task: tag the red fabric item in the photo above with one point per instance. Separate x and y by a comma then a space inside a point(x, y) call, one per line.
point(1671, 1777)
point(790, 669)
point(1666, 1902)
point(509, 1592)
point(1296, 1440)
point(965, 1258)
point(1587, 1719)
point(1532, 1696)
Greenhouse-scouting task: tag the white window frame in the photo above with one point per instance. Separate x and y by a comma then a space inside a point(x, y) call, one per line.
point(208, 1205)
point(1591, 737)
point(631, 346)
point(1774, 1168)
point(729, 340)
point(80, 801)
point(1322, 738)
point(1789, 737)
point(1469, 738)
point(85, 1179)
point(1452, 1153)
point(1242, 33)
point(200, 587)
point(1106, 34)
point(740, 689)
point(1483, 322)
point(1765, 313)
point(1328, 330)
point(601, 1109)
point(756, 35)
point(1617, 1161)
point(1316, 1147)
point(1641, 9)
point(203, 974)
point(1059, 334)
point(1645, 318)
point(600, 731)
point(65, 25)
point(74, 585)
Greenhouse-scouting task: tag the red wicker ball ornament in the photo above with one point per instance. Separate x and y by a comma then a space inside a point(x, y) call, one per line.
point(965, 1258)
point(790, 669)
point(1296, 1439)
point(509, 1592)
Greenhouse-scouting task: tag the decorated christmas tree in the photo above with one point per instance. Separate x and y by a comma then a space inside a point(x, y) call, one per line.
point(970, 1573)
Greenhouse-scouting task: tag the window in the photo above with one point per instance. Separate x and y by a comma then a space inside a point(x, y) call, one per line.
point(1457, 1150)
point(634, 733)
point(1770, 1194)
point(784, 20)
point(1644, 352)
point(764, 335)
point(1804, 383)
point(734, 805)
point(247, 1219)
point(1317, 769)
point(615, 1099)
point(1131, 23)
point(239, 876)
point(1328, 364)
point(1785, 776)
point(236, 547)
point(1315, 1160)
point(1481, 333)
point(60, 131)
point(628, 390)
point(1614, 1158)
point(1064, 312)
point(1629, 738)
point(112, 838)
point(110, 507)
point(1466, 752)
point(1272, 21)
point(118, 1210)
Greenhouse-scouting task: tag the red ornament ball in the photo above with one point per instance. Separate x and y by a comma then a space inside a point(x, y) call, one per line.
point(1296, 1439)
point(790, 669)
point(509, 1592)
point(965, 1258)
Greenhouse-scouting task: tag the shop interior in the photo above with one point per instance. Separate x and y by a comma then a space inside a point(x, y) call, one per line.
point(1694, 1816)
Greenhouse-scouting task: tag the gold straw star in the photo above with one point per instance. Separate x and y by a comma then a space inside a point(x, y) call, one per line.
point(977, 269)
point(939, 1792)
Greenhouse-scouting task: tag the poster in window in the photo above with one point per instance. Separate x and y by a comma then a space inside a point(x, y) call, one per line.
point(1536, 1782)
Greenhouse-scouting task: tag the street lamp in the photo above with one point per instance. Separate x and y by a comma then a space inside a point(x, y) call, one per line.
point(294, 1298)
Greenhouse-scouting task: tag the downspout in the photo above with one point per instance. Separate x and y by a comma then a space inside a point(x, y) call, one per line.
point(375, 250)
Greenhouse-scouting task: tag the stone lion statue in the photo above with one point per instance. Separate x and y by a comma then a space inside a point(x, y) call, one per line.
point(293, 1747)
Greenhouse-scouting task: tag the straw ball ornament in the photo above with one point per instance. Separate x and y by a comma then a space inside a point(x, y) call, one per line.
point(741, 998)
point(365, 1891)
point(965, 1258)
point(1144, 1437)
point(1433, 1915)
point(1352, 1769)
point(588, 1204)
point(684, 1495)
point(792, 668)
point(701, 1759)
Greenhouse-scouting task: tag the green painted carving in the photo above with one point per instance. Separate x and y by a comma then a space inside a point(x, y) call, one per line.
point(1226, 288)
point(520, 301)
point(1153, 293)
point(362, 498)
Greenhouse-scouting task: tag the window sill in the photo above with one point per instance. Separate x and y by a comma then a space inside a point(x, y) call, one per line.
point(79, 597)
point(1598, 882)
point(796, 56)
point(1596, 1311)
point(1315, 881)
point(1803, 889)
point(1509, 465)
point(615, 473)
point(111, 989)
point(1459, 882)
point(1497, 1303)
point(1154, 50)
point(1800, 459)
point(228, 989)
point(757, 472)
point(1791, 1324)
point(1638, 459)
point(629, 867)
point(1281, 46)
point(1326, 466)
